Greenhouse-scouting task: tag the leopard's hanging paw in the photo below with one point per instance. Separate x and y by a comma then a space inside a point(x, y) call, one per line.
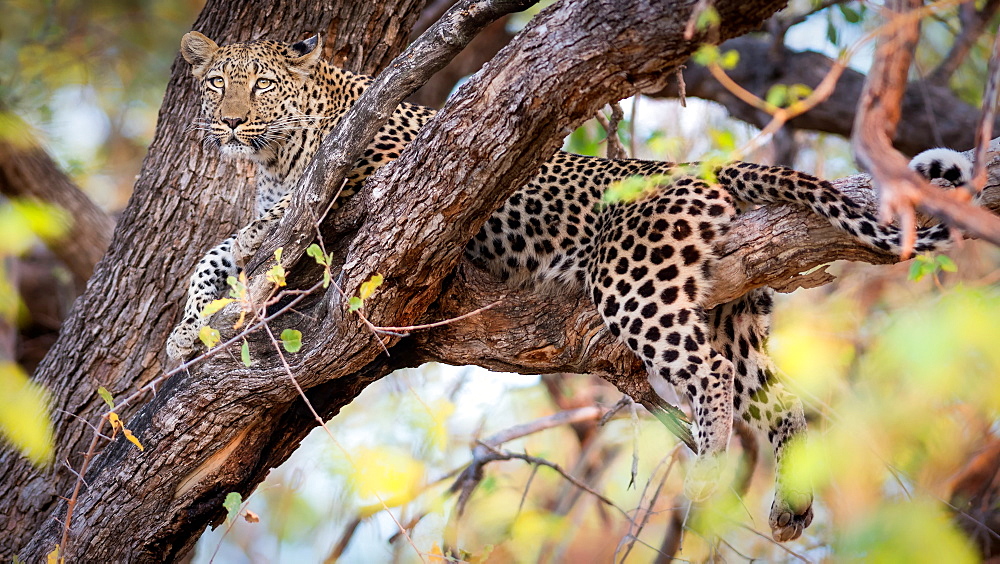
point(791, 513)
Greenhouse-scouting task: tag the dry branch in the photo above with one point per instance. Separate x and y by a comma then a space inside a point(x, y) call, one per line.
point(928, 105)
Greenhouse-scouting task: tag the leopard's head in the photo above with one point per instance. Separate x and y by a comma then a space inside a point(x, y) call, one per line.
point(251, 92)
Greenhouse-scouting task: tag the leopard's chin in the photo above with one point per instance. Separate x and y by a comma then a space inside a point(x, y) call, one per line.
point(236, 151)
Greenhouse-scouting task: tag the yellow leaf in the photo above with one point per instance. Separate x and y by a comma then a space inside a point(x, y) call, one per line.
point(116, 423)
point(276, 275)
point(240, 321)
point(132, 439)
point(436, 554)
point(24, 419)
point(216, 305)
point(53, 557)
point(368, 288)
point(209, 336)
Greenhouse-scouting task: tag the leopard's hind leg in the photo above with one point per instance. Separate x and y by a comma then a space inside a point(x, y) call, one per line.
point(648, 277)
point(739, 330)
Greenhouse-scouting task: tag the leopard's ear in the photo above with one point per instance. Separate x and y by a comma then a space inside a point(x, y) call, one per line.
point(303, 55)
point(198, 50)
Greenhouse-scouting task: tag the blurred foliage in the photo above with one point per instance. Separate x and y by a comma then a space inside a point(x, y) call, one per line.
point(24, 413)
point(90, 75)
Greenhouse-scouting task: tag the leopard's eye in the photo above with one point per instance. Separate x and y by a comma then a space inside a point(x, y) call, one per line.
point(263, 83)
point(217, 82)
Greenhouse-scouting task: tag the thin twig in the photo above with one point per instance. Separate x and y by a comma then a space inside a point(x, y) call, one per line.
point(404, 330)
point(507, 455)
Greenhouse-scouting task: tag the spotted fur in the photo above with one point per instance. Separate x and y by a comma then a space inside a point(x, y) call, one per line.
point(646, 263)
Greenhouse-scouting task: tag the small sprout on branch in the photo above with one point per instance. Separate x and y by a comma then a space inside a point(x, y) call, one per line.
point(708, 18)
point(106, 396)
point(710, 55)
point(210, 337)
point(926, 265)
point(291, 340)
point(237, 286)
point(245, 354)
point(367, 289)
point(232, 506)
point(322, 259)
point(276, 275)
point(117, 425)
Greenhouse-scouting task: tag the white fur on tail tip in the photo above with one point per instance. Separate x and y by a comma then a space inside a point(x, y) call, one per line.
point(946, 164)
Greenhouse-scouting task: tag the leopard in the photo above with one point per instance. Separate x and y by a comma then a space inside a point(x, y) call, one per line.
point(644, 260)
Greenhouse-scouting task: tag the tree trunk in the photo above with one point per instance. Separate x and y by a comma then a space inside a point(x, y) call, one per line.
point(184, 202)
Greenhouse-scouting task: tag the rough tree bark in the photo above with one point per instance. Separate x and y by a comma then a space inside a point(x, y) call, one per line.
point(221, 427)
point(184, 202)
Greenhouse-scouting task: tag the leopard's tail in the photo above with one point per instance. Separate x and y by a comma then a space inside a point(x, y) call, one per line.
point(760, 184)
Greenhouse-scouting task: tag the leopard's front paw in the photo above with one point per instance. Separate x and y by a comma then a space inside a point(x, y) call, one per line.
point(791, 513)
point(180, 344)
point(703, 477)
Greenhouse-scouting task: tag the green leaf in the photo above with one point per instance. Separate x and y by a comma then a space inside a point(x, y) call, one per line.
point(706, 55)
point(707, 18)
point(232, 505)
point(831, 33)
point(22, 220)
point(245, 353)
point(724, 140)
point(945, 263)
point(237, 286)
point(799, 91)
point(277, 255)
point(106, 396)
point(921, 267)
point(354, 304)
point(777, 95)
point(850, 14)
point(209, 336)
point(730, 59)
point(291, 339)
point(276, 275)
point(326, 278)
point(368, 288)
point(317, 253)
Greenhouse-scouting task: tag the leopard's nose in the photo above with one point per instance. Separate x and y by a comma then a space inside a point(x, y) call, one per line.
point(233, 122)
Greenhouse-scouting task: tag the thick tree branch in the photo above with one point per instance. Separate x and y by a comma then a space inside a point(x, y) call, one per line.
point(530, 332)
